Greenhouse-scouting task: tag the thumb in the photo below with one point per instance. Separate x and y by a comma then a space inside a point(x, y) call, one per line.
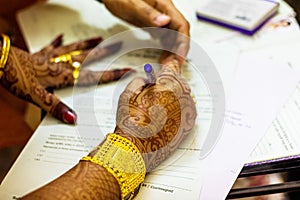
point(151, 16)
point(138, 13)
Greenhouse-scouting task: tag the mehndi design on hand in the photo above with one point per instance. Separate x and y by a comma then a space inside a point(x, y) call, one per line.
point(156, 117)
point(28, 76)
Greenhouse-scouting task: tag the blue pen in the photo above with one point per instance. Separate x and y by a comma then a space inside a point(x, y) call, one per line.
point(150, 73)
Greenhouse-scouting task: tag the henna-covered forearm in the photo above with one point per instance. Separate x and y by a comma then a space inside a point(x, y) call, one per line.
point(85, 181)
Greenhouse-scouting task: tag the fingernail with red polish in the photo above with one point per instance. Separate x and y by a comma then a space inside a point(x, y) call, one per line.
point(70, 117)
point(94, 42)
point(57, 41)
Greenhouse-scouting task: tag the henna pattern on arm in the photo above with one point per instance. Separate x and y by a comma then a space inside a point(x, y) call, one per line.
point(84, 181)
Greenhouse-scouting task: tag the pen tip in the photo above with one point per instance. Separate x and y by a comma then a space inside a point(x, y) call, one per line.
point(147, 68)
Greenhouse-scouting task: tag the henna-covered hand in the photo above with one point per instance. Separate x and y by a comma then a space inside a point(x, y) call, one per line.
point(28, 76)
point(156, 117)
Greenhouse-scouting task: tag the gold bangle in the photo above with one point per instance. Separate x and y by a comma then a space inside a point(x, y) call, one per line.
point(120, 157)
point(4, 53)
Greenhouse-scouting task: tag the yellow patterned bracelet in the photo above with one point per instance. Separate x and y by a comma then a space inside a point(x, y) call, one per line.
point(120, 157)
point(4, 53)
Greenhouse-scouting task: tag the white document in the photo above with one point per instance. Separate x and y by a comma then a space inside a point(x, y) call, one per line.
point(55, 147)
point(261, 87)
point(281, 139)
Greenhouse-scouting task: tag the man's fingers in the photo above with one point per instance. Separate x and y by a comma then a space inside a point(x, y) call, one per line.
point(146, 15)
point(176, 40)
point(137, 12)
point(178, 23)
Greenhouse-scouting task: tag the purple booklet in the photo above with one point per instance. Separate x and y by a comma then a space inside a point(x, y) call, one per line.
point(246, 16)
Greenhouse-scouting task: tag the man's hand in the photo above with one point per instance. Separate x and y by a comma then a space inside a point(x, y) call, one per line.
point(156, 13)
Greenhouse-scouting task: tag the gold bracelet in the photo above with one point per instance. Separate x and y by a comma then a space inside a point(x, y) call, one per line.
point(120, 157)
point(4, 53)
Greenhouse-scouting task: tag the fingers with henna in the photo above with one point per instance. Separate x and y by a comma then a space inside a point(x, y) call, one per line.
point(54, 44)
point(87, 56)
point(98, 52)
point(52, 104)
point(63, 113)
point(134, 87)
point(87, 77)
point(81, 45)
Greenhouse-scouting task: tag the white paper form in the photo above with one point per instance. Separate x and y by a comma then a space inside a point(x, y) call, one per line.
point(60, 148)
point(282, 138)
point(261, 88)
point(56, 147)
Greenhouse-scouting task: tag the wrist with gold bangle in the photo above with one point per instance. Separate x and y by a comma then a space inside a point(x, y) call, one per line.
point(120, 157)
point(4, 53)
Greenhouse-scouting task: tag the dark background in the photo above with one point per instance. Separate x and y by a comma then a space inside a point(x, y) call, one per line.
point(296, 5)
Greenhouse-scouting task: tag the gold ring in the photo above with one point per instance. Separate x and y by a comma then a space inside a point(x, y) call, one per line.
point(65, 57)
point(76, 65)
